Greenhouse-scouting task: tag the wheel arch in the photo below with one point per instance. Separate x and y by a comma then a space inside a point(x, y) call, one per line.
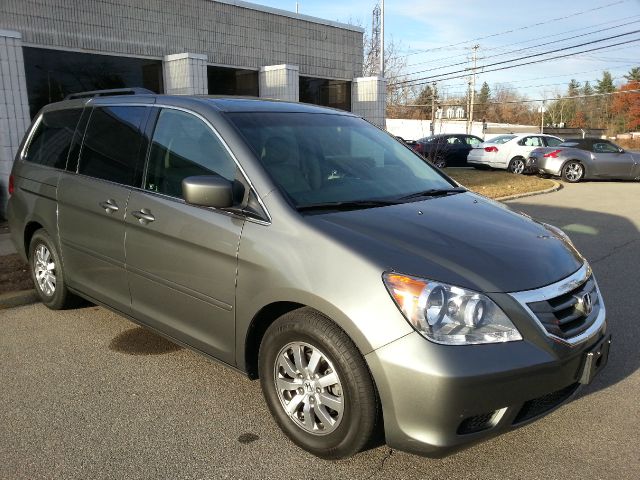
point(29, 229)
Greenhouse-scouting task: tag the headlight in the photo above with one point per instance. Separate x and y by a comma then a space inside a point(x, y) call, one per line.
point(448, 314)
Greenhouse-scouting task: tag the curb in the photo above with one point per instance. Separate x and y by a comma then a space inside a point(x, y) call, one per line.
point(17, 299)
point(557, 186)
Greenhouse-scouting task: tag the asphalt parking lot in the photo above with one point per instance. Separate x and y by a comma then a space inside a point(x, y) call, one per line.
point(87, 394)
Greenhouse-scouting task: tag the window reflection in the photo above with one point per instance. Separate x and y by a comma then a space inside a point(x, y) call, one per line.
point(328, 93)
point(232, 81)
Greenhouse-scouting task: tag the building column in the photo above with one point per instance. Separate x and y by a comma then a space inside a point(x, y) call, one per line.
point(14, 106)
point(368, 99)
point(185, 74)
point(280, 82)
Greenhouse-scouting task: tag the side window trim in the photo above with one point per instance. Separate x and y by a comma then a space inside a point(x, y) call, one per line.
point(32, 132)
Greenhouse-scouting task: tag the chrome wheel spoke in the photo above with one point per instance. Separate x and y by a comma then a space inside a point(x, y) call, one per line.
point(288, 367)
point(331, 401)
point(324, 416)
point(328, 380)
point(299, 358)
point(293, 405)
point(313, 362)
point(309, 421)
point(44, 269)
point(289, 385)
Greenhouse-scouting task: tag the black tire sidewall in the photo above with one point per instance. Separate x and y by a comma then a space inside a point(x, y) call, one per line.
point(356, 427)
point(57, 300)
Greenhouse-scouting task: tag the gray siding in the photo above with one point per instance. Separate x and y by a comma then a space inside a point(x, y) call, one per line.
point(228, 34)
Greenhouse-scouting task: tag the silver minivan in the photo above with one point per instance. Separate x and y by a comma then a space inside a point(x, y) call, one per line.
point(369, 293)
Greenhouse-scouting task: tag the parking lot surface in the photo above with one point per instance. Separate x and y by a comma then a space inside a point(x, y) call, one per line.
point(87, 394)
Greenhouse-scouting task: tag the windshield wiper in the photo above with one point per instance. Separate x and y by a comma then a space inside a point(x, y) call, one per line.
point(433, 192)
point(347, 205)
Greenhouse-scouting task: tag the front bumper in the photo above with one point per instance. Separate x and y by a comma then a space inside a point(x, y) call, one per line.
point(438, 399)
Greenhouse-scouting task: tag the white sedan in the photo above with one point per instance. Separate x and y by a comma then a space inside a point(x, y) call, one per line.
point(509, 152)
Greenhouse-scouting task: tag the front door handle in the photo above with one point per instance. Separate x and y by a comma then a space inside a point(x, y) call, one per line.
point(109, 206)
point(144, 216)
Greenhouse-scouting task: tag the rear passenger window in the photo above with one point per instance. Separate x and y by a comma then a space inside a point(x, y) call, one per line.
point(50, 142)
point(111, 148)
point(184, 146)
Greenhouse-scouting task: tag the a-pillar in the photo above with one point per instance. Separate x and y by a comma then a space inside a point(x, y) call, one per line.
point(280, 82)
point(14, 106)
point(185, 74)
point(368, 99)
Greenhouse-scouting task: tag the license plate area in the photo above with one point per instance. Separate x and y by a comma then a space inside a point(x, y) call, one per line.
point(595, 360)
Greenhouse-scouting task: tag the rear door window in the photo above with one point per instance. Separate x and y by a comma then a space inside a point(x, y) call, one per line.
point(112, 144)
point(184, 146)
point(50, 142)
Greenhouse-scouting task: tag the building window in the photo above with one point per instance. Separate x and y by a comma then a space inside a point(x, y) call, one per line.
point(328, 93)
point(232, 81)
point(53, 74)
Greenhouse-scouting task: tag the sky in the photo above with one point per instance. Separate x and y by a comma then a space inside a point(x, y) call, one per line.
point(440, 33)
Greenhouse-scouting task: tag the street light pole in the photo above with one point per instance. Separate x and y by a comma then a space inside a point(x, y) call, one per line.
point(472, 95)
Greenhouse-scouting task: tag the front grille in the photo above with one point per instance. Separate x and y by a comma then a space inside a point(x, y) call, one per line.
point(543, 404)
point(569, 314)
point(476, 423)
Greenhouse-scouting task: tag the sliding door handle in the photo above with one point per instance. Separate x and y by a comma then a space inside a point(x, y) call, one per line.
point(109, 206)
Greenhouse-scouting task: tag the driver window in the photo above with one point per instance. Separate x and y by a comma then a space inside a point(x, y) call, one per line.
point(604, 147)
point(184, 146)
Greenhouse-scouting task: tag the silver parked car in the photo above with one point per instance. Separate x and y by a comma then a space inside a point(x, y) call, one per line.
point(584, 159)
point(509, 152)
point(305, 247)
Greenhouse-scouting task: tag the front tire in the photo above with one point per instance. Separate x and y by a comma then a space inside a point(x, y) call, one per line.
point(47, 273)
point(317, 385)
point(440, 162)
point(573, 171)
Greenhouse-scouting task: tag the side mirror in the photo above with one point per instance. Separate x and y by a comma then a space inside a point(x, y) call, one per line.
point(208, 191)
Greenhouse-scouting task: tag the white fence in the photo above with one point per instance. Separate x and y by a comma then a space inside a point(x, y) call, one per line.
point(415, 129)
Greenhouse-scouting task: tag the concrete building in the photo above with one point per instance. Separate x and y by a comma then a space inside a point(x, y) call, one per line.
point(50, 48)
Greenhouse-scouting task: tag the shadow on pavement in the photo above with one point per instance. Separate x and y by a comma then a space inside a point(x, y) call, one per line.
point(140, 341)
point(611, 244)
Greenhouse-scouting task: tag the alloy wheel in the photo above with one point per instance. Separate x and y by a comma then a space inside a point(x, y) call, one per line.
point(309, 388)
point(573, 172)
point(517, 166)
point(45, 270)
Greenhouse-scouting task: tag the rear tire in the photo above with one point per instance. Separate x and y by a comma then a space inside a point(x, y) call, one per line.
point(572, 171)
point(47, 273)
point(440, 161)
point(309, 367)
point(517, 165)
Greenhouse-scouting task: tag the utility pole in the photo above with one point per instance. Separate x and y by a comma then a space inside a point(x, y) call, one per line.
point(472, 96)
point(382, 39)
point(433, 108)
point(542, 117)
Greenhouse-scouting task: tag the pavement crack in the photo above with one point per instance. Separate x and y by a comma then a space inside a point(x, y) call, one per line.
point(380, 467)
point(615, 250)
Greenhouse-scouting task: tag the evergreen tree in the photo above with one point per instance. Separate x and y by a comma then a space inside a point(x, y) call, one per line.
point(574, 88)
point(605, 85)
point(587, 89)
point(483, 99)
point(633, 75)
point(426, 98)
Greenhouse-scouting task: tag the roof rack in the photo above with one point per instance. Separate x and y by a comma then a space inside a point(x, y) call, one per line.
point(107, 93)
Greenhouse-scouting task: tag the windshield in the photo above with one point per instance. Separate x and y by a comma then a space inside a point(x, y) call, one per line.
point(328, 158)
point(501, 139)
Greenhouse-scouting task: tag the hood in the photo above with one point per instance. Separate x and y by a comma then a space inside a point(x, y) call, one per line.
point(463, 239)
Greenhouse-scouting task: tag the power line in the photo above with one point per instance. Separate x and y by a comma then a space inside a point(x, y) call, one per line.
point(537, 100)
point(526, 48)
point(528, 56)
point(522, 28)
point(513, 66)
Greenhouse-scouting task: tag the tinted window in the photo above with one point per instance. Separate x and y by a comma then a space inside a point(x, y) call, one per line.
point(605, 147)
point(51, 140)
point(552, 142)
point(184, 146)
point(111, 148)
point(323, 158)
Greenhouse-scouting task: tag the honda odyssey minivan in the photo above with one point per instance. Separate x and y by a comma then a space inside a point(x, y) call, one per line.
point(370, 293)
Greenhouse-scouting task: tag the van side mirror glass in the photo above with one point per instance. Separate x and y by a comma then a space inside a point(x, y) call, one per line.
point(208, 191)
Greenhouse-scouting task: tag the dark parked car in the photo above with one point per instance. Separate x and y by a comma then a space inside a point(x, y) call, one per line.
point(584, 159)
point(447, 150)
point(305, 247)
